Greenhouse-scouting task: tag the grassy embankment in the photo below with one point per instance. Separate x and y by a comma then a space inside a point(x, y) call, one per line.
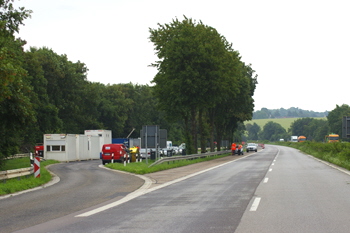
point(143, 168)
point(24, 182)
point(336, 153)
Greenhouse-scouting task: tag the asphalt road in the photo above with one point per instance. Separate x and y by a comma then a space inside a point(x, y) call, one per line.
point(277, 189)
point(300, 194)
point(82, 185)
point(213, 200)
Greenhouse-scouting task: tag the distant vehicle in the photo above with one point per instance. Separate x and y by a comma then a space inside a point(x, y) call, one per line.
point(332, 137)
point(252, 147)
point(182, 148)
point(294, 138)
point(301, 139)
point(39, 149)
point(176, 150)
point(113, 152)
point(281, 140)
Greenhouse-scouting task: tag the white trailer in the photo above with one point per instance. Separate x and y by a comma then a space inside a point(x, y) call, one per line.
point(294, 138)
point(60, 147)
point(105, 136)
point(74, 147)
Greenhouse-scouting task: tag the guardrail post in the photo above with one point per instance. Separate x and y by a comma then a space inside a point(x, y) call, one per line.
point(37, 167)
point(31, 158)
point(124, 160)
point(112, 158)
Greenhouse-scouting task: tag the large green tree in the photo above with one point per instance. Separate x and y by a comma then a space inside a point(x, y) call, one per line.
point(273, 131)
point(16, 110)
point(253, 131)
point(197, 70)
point(335, 118)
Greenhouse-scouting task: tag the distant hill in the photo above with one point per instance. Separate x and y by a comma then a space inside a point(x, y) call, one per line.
point(284, 122)
point(265, 113)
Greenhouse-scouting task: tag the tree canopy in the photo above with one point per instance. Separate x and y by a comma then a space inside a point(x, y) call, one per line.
point(200, 74)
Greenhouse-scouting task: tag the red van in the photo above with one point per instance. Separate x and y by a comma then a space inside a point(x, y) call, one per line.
point(113, 151)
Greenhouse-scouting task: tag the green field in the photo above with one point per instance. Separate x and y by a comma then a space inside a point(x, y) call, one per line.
point(284, 122)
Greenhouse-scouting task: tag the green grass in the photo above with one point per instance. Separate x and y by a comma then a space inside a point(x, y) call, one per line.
point(284, 122)
point(11, 164)
point(143, 168)
point(25, 182)
point(336, 153)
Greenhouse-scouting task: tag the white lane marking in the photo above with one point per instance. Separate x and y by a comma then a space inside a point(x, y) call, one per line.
point(145, 189)
point(255, 204)
point(266, 180)
point(273, 164)
point(270, 169)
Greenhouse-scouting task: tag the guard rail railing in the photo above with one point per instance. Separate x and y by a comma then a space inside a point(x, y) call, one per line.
point(188, 157)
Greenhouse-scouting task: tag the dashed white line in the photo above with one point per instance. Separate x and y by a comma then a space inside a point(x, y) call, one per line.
point(255, 204)
point(266, 180)
point(270, 169)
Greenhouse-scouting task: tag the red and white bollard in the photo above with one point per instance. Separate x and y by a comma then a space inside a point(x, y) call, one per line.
point(112, 157)
point(37, 167)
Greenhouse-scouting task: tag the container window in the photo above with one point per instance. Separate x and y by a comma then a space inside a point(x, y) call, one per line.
point(56, 148)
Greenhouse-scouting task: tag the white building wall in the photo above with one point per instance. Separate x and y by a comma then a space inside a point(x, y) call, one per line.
point(73, 147)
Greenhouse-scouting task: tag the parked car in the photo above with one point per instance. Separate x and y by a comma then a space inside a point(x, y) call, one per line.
point(252, 147)
point(113, 152)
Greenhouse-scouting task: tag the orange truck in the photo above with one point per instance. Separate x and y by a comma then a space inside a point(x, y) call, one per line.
point(301, 139)
point(332, 137)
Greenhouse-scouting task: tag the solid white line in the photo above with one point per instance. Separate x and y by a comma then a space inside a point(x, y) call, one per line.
point(145, 189)
point(266, 180)
point(255, 204)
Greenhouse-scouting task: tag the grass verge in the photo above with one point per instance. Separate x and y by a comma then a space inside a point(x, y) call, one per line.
point(142, 168)
point(16, 163)
point(25, 182)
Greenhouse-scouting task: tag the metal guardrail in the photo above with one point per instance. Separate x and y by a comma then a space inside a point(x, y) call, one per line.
point(4, 175)
point(9, 174)
point(188, 157)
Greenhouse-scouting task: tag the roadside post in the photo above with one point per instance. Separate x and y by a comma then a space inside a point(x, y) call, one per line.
point(37, 167)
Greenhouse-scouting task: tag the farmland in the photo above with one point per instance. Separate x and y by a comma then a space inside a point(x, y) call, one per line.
point(284, 122)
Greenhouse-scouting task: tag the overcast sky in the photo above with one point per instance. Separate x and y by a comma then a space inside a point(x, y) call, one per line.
point(300, 49)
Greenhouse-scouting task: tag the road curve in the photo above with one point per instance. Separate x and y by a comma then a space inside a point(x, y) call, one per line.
point(212, 200)
point(82, 185)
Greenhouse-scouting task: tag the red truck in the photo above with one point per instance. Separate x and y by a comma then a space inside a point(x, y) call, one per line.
point(113, 153)
point(39, 150)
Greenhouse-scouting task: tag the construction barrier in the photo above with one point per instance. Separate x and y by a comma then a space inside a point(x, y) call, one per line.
point(37, 167)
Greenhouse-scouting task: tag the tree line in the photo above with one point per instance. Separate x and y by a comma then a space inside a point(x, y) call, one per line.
point(293, 112)
point(313, 129)
point(199, 81)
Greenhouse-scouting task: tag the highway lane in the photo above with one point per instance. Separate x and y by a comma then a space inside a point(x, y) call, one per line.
point(82, 185)
point(213, 201)
point(300, 194)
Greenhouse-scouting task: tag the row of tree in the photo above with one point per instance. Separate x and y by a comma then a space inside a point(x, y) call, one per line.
point(312, 128)
point(200, 80)
point(293, 112)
